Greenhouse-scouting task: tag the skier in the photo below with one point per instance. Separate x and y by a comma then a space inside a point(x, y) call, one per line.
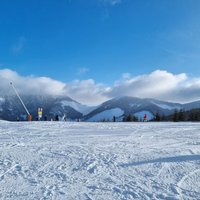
point(145, 117)
point(57, 118)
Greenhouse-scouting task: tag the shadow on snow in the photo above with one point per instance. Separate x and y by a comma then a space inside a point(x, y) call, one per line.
point(184, 158)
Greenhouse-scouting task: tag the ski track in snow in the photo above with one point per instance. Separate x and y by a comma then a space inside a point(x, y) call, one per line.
point(95, 161)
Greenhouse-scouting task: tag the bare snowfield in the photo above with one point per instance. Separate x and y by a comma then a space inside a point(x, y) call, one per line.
point(99, 161)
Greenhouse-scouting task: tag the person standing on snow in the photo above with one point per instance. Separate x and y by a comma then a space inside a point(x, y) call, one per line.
point(145, 117)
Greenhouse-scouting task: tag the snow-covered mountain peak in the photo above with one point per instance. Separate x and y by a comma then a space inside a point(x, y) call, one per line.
point(77, 106)
point(11, 108)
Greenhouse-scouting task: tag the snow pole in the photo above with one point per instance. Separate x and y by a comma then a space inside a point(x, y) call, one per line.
point(29, 115)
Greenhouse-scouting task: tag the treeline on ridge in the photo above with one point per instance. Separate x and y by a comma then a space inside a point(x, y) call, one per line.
point(177, 116)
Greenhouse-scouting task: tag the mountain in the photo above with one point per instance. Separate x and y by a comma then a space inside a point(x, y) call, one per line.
point(192, 105)
point(11, 107)
point(123, 106)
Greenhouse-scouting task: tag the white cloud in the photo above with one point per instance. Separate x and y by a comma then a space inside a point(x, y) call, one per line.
point(82, 71)
point(126, 75)
point(18, 47)
point(151, 84)
point(87, 91)
point(114, 2)
point(30, 84)
point(107, 5)
point(158, 84)
point(111, 2)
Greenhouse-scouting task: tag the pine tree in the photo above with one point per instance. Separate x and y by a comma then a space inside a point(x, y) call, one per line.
point(157, 117)
point(181, 116)
point(135, 119)
point(129, 118)
point(175, 116)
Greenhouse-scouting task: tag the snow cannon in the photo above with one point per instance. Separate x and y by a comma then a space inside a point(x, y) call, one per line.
point(29, 115)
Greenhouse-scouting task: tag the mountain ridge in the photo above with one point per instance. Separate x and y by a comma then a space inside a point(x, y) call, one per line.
point(11, 108)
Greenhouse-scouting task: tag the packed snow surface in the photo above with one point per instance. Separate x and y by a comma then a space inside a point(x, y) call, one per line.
point(111, 161)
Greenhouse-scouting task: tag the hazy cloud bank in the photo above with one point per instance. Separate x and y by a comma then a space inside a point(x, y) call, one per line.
point(159, 84)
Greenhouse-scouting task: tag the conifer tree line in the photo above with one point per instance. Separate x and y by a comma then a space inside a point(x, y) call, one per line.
point(181, 115)
point(177, 116)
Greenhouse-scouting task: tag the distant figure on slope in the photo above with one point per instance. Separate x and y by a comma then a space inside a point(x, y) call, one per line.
point(57, 118)
point(145, 117)
point(45, 118)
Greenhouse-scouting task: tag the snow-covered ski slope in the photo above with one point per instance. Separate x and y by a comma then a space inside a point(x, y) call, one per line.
point(99, 161)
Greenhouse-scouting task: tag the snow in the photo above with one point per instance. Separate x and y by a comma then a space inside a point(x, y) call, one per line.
point(78, 107)
point(140, 115)
point(62, 160)
point(107, 114)
point(167, 107)
point(134, 105)
point(2, 100)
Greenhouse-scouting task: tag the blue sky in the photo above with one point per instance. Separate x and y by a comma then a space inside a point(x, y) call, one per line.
point(93, 50)
point(99, 39)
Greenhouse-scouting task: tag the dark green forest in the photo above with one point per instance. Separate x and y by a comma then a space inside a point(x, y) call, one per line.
point(178, 116)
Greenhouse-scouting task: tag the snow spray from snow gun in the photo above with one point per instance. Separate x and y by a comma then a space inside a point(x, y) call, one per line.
point(29, 115)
